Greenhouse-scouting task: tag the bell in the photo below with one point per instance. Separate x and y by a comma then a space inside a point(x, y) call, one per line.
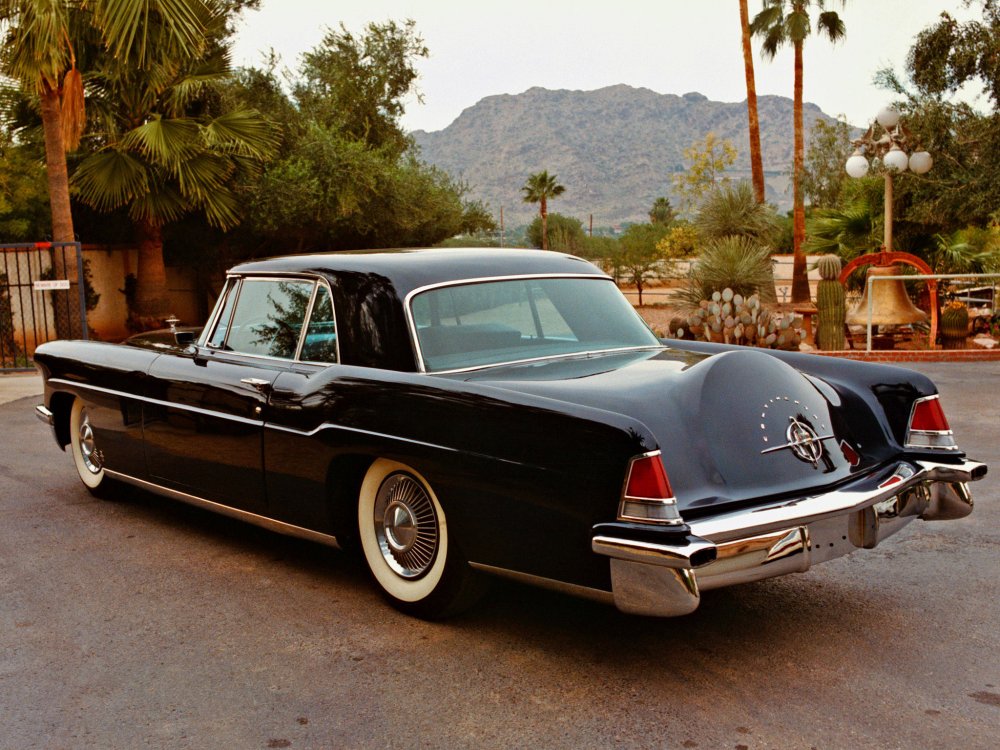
point(891, 304)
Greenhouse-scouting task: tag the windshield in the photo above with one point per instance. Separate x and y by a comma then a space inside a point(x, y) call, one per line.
point(486, 323)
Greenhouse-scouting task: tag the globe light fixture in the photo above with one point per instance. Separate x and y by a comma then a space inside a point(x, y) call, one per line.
point(896, 159)
point(857, 165)
point(920, 162)
point(887, 117)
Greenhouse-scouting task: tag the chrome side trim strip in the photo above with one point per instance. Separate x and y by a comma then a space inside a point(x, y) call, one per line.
point(572, 355)
point(358, 431)
point(269, 425)
point(158, 402)
point(241, 515)
point(584, 592)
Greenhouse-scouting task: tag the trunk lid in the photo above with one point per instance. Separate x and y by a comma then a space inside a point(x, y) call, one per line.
point(733, 428)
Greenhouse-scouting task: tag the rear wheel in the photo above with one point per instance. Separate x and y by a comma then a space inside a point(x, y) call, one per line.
point(407, 546)
point(87, 456)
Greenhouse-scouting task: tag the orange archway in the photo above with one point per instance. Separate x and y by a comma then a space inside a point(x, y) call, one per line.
point(885, 258)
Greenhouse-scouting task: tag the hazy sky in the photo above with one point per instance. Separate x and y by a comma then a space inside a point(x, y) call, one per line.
point(478, 49)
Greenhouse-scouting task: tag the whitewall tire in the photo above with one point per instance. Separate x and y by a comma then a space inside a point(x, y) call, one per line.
point(407, 544)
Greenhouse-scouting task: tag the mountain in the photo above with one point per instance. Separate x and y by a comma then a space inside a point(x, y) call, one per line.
point(615, 149)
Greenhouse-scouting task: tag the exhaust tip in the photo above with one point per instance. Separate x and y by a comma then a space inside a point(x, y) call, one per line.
point(704, 557)
point(979, 472)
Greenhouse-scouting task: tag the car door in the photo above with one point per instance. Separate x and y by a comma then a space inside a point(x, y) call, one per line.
point(203, 429)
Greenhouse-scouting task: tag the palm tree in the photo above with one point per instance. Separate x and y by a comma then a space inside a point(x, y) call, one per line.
point(662, 212)
point(784, 22)
point(756, 164)
point(538, 189)
point(161, 161)
point(38, 52)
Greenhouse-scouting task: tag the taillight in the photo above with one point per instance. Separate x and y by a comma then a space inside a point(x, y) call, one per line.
point(647, 497)
point(929, 426)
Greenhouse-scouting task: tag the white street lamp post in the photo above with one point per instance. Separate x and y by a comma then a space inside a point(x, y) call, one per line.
point(890, 148)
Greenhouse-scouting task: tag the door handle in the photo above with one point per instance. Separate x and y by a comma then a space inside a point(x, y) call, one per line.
point(259, 383)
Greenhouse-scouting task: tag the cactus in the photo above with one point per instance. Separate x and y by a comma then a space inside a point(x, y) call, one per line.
point(954, 325)
point(829, 267)
point(830, 306)
point(733, 319)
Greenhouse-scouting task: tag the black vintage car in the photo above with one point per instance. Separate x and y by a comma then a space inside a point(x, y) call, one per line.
point(454, 413)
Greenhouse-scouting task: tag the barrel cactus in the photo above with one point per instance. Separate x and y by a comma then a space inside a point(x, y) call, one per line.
point(954, 325)
point(830, 306)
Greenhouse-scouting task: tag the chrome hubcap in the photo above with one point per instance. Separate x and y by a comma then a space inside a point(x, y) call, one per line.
point(406, 526)
point(88, 447)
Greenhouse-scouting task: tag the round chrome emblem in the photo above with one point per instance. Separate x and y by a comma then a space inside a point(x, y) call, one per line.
point(803, 441)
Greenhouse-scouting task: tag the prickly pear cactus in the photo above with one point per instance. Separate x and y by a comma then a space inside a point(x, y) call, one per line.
point(954, 325)
point(729, 318)
point(830, 305)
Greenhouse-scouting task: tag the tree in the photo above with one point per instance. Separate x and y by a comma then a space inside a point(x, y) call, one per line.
point(564, 234)
point(662, 212)
point(948, 54)
point(784, 22)
point(340, 180)
point(641, 254)
point(357, 84)
point(709, 159)
point(756, 163)
point(39, 53)
point(164, 153)
point(539, 188)
point(824, 176)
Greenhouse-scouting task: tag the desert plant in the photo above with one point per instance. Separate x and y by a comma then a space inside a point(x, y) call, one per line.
point(954, 325)
point(830, 304)
point(739, 263)
point(733, 210)
point(727, 317)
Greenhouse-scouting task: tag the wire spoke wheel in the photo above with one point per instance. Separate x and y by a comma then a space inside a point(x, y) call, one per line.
point(406, 526)
point(407, 544)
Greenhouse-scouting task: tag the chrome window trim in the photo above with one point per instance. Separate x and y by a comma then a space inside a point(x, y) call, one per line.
point(213, 319)
point(415, 341)
point(256, 519)
point(316, 280)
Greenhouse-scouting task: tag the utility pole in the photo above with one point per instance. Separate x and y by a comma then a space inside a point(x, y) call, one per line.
point(591, 225)
point(501, 226)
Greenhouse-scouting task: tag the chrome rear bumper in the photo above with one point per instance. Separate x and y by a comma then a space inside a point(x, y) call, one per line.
point(787, 537)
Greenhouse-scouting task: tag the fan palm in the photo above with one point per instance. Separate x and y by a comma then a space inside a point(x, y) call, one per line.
point(539, 188)
point(784, 22)
point(38, 52)
point(161, 161)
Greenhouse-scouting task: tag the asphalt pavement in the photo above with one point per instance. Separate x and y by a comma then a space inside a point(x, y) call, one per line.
point(145, 623)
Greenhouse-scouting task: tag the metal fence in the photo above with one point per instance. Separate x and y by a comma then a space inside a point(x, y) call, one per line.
point(42, 297)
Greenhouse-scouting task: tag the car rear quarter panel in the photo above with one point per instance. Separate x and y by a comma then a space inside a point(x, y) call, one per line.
point(522, 478)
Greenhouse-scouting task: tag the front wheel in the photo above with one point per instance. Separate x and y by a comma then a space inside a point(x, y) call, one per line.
point(87, 456)
point(407, 546)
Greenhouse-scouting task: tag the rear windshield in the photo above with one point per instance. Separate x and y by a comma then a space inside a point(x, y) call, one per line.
point(494, 322)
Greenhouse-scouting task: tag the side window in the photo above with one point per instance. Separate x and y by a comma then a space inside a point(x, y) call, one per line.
point(321, 335)
point(222, 326)
point(268, 317)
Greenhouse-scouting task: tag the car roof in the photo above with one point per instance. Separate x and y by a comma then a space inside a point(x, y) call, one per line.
point(411, 269)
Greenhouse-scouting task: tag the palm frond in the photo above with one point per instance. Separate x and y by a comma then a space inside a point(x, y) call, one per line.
point(131, 27)
point(222, 210)
point(110, 179)
point(201, 175)
point(831, 23)
point(160, 205)
point(164, 141)
point(797, 26)
point(243, 133)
